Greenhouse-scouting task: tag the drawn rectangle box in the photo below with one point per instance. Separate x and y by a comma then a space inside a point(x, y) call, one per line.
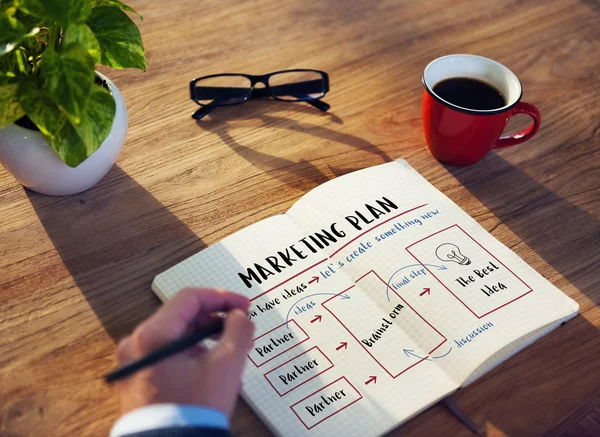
point(290, 330)
point(475, 295)
point(299, 360)
point(408, 331)
point(342, 383)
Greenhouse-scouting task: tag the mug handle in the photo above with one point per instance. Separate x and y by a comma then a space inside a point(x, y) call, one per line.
point(524, 135)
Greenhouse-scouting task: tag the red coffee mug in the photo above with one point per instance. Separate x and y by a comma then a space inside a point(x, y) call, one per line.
point(462, 136)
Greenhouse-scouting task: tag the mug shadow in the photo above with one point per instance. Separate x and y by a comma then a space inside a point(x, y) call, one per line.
point(563, 234)
point(301, 175)
point(566, 237)
point(113, 239)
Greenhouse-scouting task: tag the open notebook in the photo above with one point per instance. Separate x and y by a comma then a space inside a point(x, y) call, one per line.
point(374, 297)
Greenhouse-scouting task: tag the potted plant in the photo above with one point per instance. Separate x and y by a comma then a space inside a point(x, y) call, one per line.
point(62, 124)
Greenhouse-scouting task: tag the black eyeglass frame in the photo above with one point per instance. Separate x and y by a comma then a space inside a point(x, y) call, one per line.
point(267, 91)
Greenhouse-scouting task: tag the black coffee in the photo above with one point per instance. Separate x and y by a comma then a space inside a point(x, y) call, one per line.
point(470, 93)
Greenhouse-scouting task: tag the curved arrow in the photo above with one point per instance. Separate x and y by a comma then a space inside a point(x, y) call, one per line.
point(387, 288)
point(342, 296)
point(409, 352)
point(442, 356)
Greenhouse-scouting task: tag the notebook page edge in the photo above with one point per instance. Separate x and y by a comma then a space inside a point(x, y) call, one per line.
point(514, 348)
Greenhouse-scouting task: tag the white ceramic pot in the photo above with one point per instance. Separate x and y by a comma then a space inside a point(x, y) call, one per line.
point(28, 157)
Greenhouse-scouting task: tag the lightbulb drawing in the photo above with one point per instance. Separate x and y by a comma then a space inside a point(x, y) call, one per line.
point(451, 252)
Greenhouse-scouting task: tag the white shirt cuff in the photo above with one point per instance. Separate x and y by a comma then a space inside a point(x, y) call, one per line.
point(168, 416)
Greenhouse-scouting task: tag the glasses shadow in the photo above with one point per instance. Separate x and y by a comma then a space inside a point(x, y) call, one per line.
point(271, 114)
point(114, 239)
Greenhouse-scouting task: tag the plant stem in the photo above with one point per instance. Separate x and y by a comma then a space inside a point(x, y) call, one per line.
point(35, 66)
point(53, 34)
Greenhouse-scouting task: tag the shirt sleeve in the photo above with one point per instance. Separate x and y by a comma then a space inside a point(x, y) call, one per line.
point(159, 416)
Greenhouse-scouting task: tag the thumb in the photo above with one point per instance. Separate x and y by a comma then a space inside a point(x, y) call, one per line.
point(237, 335)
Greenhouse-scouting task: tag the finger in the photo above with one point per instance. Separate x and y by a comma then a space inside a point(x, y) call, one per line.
point(189, 303)
point(237, 335)
point(196, 351)
point(124, 351)
point(174, 319)
point(203, 321)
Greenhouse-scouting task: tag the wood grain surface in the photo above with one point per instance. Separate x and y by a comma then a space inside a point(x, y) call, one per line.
point(75, 272)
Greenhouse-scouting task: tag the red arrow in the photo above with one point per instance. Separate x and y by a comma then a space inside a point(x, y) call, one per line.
point(314, 278)
point(316, 319)
point(425, 291)
point(343, 344)
point(372, 379)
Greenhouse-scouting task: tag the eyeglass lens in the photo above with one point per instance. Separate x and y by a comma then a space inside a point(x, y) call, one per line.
point(297, 85)
point(222, 90)
point(289, 86)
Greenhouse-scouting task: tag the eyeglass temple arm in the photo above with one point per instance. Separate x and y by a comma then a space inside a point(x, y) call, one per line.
point(202, 112)
point(319, 104)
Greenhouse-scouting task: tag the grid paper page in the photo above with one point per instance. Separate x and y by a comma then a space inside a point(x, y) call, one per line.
point(474, 290)
point(299, 378)
point(373, 297)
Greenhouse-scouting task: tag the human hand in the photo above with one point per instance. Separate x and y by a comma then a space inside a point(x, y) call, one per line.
point(197, 376)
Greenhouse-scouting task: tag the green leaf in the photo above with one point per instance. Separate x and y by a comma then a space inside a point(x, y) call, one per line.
point(63, 12)
point(73, 143)
point(8, 6)
point(68, 76)
point(36, 45)
point(115, 4)
point(40, 108)
point(119, 38)
point(82, 34)
point(97, 119)
point(14, 64)
point(11, 107)
point(12, 32)
point(29, 21)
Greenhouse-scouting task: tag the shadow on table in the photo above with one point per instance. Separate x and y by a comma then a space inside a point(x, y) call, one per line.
point(301, 175)
point(563, 234)
point(566, 237)
point(114, 238)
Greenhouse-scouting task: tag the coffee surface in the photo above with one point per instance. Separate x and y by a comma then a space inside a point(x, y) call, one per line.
point(469, 93)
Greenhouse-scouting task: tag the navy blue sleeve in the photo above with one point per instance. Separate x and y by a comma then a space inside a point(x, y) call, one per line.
point(182, 432)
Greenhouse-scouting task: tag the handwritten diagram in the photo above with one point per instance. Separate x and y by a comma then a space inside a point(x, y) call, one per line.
point(449, 252)
point(380, 315)
point(370, 300)
point(392, 325)
point(481, 282)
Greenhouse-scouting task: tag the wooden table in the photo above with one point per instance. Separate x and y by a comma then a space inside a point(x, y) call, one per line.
point(76, 271)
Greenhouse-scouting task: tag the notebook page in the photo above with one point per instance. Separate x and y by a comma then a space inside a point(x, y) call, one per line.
point(217, 265)
point(412, 242)
point(511, 349)
point(303, 375)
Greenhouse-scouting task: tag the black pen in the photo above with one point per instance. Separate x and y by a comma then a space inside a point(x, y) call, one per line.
point(165, 352)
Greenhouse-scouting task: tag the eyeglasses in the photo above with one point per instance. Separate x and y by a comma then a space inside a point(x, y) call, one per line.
point(233, 89)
